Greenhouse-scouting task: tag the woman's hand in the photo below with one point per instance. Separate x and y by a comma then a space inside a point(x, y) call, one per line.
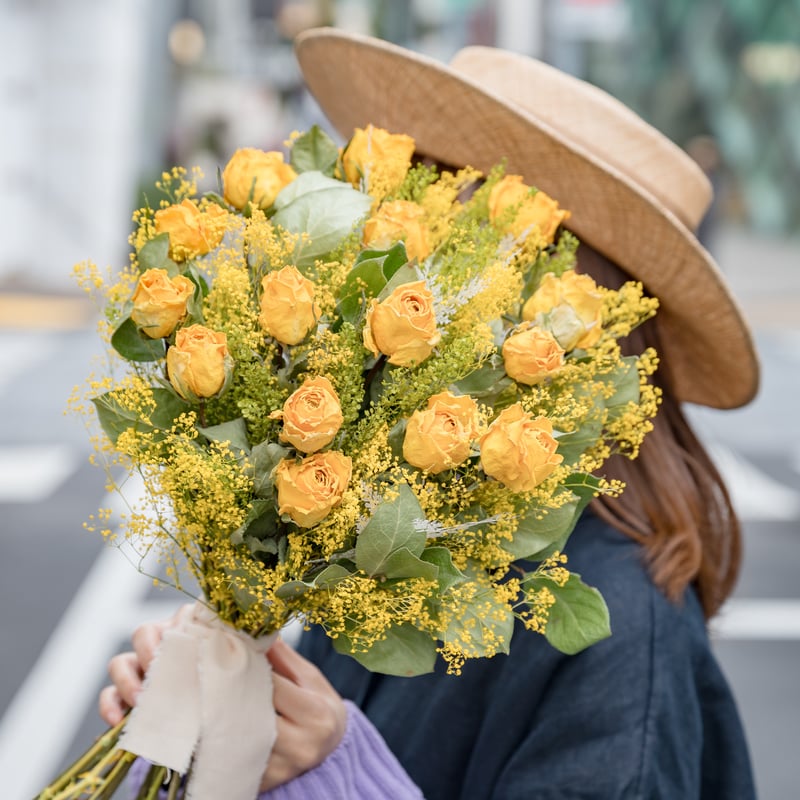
point(311, 715)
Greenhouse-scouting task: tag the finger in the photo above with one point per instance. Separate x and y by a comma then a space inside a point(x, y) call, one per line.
point(288, 757)
point(146, 639)
point(111, 706)
point(127, 676)
point(286, 661)
point(294, 702)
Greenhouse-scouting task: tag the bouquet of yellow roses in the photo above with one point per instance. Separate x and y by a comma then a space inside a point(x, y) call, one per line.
point(368, 394)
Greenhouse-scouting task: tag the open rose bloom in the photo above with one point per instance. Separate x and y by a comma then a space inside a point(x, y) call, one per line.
point(358, 398)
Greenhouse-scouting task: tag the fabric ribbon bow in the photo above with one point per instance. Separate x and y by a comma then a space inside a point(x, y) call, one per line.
point(208, 694)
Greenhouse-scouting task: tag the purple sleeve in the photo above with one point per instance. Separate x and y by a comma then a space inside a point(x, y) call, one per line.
point(360, 768)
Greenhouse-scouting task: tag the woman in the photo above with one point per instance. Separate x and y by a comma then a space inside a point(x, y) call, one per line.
point(647, 712)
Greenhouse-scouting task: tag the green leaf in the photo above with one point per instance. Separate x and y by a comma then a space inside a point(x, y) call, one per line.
point(372, 270)
point(448, 574)
point(572, 445)
point(626, 382)
point(403, 563)
point(485, 627)
point(261, 522)
point(408, 273)
point(534, 536)
point(234, 432)
point(579, 617)
point(329, 576)
point(130, 343)
point(485, 381)
point(405, 652)
point(323, 209)
point(155, 255)
point(115, 417)
point(314, 150)
point(389, 529)
point(265, 457)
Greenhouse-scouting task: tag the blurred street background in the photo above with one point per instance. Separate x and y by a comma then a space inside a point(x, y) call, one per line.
point(98, 96)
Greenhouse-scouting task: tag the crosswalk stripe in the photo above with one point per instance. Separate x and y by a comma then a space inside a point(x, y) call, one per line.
point(758, 619)
point(31, 473)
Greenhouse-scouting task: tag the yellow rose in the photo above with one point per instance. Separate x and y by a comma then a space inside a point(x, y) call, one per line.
point(381, 158)
point(198, 364)
point(578, 325)
point(311, 416)
point(396, 220)
point(192, 232)
point(518, 450)
point(288, 309)
point(403, 326)
point(534, 209)
point(308, 490)
point(159, 302)
point(256, 176)
point(531, 354)
point(439, 437)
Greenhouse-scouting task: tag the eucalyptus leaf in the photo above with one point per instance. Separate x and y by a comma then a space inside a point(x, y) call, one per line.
point(408, 273)
point(534, 535)
point(324, 210)
point(403, 563)
point(155, 255)
point(485, 627)
point(572, 445)
point(115, 417)
point(448, 574)
point(371, 272)
point(405, 652)
point(261, 522)
point(390, 528)
point(579, 618)
point(331, 575)
point(264, 457)
point(234, 432)
point(483, 381)
point(626, 382)
point(134, 345)
point(314, 150)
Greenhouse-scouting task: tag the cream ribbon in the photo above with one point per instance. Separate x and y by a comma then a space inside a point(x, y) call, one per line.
point(208, 693)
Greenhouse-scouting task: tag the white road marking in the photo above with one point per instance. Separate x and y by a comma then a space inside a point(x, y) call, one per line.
point(758, 619)
point(755, 495)
point(31, 473)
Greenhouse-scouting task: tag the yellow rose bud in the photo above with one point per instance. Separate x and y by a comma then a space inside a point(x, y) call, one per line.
point(518, 450)
point(439, 437)
point(198, 363)
point(579, 329)
point(396, 220)
point(312, 416)
point(531, 354)
point(192, 232)
point(380, 158)
point(159, 302)
point(255, 176)
point(403, 326)
point(535, 210)
point(308, 490)
point(288, 309)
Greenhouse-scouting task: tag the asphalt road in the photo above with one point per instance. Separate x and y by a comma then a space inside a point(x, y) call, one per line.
point(67, 603)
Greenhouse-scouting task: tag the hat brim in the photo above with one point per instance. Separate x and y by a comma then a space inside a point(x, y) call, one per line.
point(359, 80)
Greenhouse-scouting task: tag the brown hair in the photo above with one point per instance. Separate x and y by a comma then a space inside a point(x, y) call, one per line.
point(676, 503)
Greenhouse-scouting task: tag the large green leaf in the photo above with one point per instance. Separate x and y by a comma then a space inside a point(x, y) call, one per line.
point(572, 445)
point(406, 651)
point(155, 255)
point(314, 150)
point(534, 535)
point(579, 617)
point(134, 345)
point(389, 529)
point(265, 457)
point(403, 563)
point(448, 574)
point(323, 209)
point(234, 432)
point(116, 416)
point(372, 270)
point(626, 383)
point(485, 627)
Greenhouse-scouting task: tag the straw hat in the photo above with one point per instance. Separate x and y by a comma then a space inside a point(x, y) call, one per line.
point(633, 195)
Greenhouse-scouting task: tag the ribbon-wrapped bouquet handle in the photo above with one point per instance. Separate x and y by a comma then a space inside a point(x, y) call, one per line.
point(208, 696)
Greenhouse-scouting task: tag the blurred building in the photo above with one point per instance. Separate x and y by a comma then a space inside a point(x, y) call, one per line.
point(99, 95)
